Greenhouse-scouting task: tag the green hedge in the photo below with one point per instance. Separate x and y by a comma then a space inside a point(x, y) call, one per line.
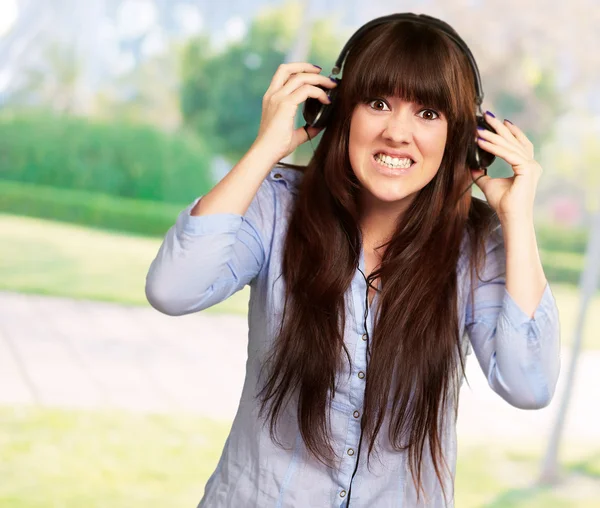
point(135, 161)
point(154, 219)
point(88, 208)
point(562, 266)
point(560, 238)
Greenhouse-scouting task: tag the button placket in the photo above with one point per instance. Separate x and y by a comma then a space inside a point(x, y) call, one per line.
point(356, 400)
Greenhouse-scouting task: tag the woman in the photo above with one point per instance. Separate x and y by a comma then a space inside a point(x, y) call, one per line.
point(368, 280)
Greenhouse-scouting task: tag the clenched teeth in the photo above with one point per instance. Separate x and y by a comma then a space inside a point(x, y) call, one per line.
point(393, 162)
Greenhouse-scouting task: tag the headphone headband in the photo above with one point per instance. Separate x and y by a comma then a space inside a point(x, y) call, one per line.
point(422, 19)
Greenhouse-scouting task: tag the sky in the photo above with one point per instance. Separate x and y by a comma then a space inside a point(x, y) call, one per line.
point(8, 14)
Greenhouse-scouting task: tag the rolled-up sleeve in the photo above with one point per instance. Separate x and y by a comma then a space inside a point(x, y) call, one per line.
point(519, 354)
point(205, 259)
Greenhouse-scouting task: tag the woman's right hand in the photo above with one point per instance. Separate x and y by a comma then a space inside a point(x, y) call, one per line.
point(292, 84)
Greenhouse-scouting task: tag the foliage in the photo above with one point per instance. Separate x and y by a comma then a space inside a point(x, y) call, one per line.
point(136, 161)
point(137, 216)
point(221, 96)
point(561, 238)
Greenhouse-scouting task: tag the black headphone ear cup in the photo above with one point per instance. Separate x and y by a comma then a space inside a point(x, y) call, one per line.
point(315, 113)
point(477, 157)
point(311, 111)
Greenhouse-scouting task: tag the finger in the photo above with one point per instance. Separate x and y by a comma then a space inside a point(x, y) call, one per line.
point(284, 71)
point(519, 134)
point(300, 79)
point(300, 134)
point(306, 91)
point(497, 125)
point(497, 139)
point(507, 154)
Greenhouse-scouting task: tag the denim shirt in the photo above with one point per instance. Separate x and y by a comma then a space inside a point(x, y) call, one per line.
point(205, 259)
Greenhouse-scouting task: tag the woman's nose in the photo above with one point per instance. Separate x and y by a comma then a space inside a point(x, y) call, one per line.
point(398, 129)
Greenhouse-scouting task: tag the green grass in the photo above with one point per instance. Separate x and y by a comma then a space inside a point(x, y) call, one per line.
point(505, 475)
point(69, 459)
point(54, 258)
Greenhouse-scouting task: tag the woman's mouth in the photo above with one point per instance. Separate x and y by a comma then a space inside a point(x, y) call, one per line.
point(392, 166)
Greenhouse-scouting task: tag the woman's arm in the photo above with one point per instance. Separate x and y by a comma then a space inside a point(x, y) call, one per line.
point(234, 193)
point(514, 325)
point(213, 251)
point(525, 279)
point(218, 244)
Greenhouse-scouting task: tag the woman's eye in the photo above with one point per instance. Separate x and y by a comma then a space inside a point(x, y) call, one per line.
point(430, 111)
point(377, 102)
point(380, 105)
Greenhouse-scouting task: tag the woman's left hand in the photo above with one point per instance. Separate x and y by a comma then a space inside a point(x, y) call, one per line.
point(511, 198)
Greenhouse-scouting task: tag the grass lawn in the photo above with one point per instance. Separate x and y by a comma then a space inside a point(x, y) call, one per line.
point(505, 477)
point(53, 258)
point(49, 257)
point(69, 459)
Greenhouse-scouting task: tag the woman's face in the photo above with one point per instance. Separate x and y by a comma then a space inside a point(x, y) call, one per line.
point(390, 127)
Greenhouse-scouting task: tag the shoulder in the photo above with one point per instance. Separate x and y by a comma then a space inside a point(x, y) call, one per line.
point(269, 210)
point(277, 192)
point(285, 180)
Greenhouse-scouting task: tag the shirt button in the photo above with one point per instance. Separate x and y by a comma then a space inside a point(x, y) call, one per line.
point(343, 493)
point(361, 374)
point(350, 451)
point(356, 414)
point(364, 337)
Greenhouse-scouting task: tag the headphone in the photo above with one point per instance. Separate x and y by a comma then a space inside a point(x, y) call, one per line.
point(316, 114)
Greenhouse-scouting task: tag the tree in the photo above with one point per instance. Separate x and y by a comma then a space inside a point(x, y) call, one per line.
point(221, 95)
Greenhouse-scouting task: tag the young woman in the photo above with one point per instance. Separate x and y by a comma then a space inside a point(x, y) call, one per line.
point(372, 274)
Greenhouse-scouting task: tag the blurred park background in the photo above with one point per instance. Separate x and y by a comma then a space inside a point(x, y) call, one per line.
point(116, 114)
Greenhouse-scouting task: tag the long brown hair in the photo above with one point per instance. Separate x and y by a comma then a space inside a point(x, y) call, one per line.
point(415, 337)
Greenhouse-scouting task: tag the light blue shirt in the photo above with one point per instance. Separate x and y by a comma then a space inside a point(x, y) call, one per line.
point(204, 260)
